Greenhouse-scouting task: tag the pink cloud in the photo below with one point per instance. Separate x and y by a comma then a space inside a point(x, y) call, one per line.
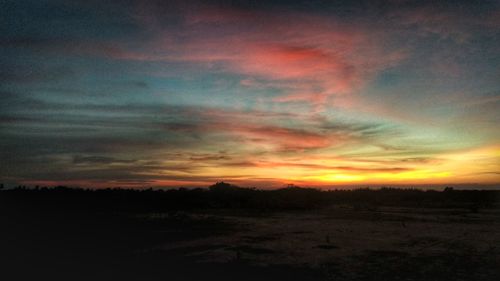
point(310, 58)
point(265, 130)
point(273, 137)
point(287, 138)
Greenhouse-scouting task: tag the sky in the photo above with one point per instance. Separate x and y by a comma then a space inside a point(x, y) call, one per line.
point(256, 93)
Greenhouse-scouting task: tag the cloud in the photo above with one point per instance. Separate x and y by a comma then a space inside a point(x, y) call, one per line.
point(80, 159)
point(209, 157)
point(129, 142)
point(309, 57)
point(284, 138)
point(34, 74)
point(169, 92)
point(314, 167)
point(459, 22)
point(183, 125)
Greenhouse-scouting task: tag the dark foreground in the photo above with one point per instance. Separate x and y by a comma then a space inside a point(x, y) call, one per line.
point(234, 234)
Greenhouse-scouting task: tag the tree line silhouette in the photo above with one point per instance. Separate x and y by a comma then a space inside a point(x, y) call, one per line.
point(225, 195)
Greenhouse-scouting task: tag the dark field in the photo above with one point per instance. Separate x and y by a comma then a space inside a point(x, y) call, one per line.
point(229, 233)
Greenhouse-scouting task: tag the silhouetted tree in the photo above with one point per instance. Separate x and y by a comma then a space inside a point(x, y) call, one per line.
point(221, 186)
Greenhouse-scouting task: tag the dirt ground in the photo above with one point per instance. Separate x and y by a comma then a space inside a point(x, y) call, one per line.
point(347, 244)
point(336, 243)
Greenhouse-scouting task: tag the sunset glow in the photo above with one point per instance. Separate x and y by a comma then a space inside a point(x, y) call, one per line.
point(180, 93)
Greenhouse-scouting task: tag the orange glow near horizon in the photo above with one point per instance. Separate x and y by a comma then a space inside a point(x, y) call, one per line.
point(176, 93)
point(463, 167)
point(455, 168)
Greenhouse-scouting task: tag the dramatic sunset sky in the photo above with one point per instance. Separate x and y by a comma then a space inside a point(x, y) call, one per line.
point(264, 93)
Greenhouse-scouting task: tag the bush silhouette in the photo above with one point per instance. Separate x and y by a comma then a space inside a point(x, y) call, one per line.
point(226, 195)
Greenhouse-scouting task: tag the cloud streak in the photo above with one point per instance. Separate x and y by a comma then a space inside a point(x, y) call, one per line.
point(188, 92)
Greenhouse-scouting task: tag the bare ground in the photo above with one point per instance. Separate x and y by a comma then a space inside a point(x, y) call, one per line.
point(336, 243)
